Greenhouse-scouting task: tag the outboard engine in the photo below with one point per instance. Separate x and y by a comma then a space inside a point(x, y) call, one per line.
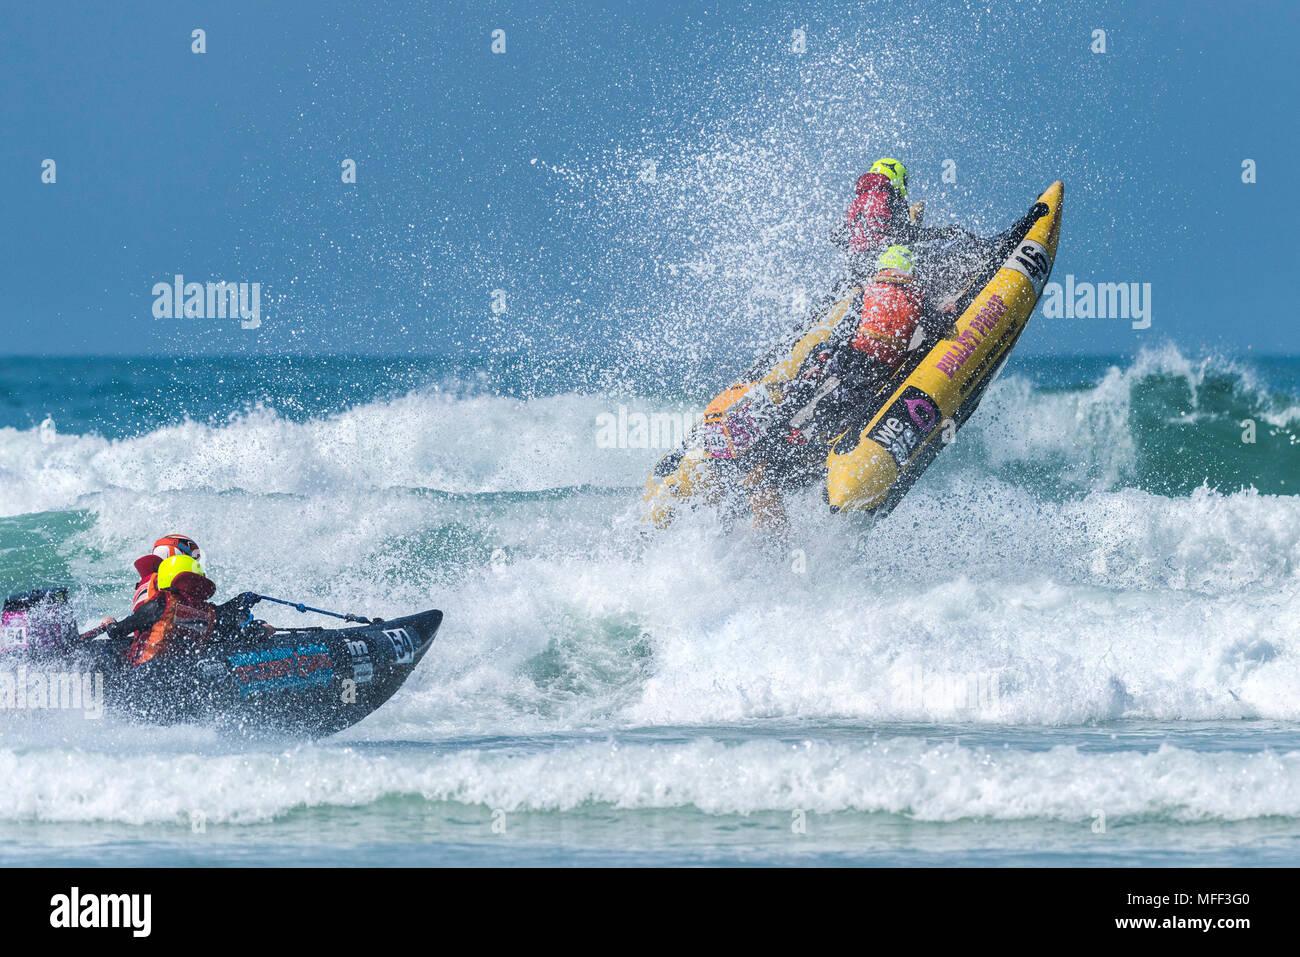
point(37, 619)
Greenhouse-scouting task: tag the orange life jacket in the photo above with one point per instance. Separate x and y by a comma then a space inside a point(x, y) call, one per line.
point(191, 621)
point(891, 309)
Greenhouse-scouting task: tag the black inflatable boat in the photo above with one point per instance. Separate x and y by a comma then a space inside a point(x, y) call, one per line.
point(312, 681)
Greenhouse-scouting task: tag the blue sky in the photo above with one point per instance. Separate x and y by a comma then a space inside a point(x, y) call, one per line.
point(651, 177)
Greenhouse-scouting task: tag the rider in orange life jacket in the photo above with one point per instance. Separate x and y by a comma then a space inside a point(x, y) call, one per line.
point(837, 385)
point(880, 216)
point(171, 603)
point(841, 379)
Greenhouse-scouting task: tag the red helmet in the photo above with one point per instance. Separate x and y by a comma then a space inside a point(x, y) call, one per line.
point(171, 545)
point(871, 181)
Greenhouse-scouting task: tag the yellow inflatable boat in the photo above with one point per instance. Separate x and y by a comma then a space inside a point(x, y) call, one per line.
point(912, 416)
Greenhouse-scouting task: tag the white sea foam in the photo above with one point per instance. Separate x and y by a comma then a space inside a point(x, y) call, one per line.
point(979, 600)
point(422, 440)
point(485, 444)
point(924, 780)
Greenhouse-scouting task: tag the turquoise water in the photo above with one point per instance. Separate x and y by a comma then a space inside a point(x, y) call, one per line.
point(1075, 642)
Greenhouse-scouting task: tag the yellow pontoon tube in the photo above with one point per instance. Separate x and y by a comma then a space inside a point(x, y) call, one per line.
point(873, 467)
point(919, 411)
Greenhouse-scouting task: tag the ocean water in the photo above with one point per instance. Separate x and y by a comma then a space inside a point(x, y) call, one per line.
point(1076, 641)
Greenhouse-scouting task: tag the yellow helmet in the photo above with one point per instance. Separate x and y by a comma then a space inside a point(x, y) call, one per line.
point(898, 258)
point(171, 567)
point(895, 171)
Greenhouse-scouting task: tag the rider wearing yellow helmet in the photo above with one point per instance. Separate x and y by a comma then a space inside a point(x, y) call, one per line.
point(894, 171)
point(880, 216)
point(850, 369)
point(171, 603)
